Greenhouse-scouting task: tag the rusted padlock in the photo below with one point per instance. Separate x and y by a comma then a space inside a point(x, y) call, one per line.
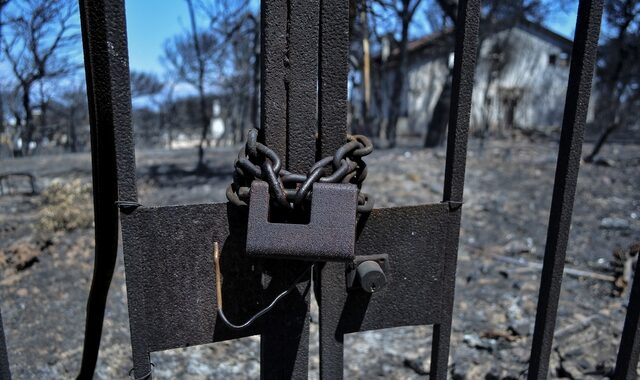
point(329, 235)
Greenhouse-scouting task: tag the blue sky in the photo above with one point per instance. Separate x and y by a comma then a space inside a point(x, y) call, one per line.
point(151, 22)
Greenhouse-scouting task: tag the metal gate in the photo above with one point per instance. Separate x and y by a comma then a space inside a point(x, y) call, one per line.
point(172, 275)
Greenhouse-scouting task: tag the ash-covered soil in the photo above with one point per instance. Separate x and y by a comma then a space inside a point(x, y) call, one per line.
point(45, 275)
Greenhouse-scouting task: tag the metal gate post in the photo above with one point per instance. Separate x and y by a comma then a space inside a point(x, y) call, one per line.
point(627, 360)
point(583, 59)
point(289, 97)
point(5, 374)
point(467, 29)
point(112, 157)
point(332, 130)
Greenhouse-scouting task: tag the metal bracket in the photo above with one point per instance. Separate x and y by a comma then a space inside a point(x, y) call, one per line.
point(329, 235)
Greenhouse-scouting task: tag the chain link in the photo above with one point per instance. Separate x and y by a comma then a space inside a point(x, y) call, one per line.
point(291, 190)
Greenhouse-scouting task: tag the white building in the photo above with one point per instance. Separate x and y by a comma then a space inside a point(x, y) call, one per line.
point(520, 80)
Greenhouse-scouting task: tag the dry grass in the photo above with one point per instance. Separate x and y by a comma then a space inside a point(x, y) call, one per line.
point(66, 206)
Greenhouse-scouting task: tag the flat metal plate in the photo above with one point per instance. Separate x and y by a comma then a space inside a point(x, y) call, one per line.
point(421, 243)
point(169, 253)
point(169, 260)
point(415, 238)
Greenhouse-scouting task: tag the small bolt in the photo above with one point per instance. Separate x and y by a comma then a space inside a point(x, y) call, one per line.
point(371, 277)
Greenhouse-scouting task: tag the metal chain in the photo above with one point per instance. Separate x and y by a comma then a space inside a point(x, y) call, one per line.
point(290, 190)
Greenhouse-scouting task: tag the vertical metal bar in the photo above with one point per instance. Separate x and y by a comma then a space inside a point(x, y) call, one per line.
point(467, 26)
point(332, 130)
point(5, 374)
point(627, 361)
point(273, 113)
point(112, 155)
point(137, 305)
point(332, 75)
point(302, 84)
point(289, 126)
point(583, 59)
point(331, 340)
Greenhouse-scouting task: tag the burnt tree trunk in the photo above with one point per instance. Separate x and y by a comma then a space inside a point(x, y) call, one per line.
point(255, 96)
point(437, 127)
point(3, 3)
point(201, 94)
point(72, 143)
point(2, 128)
point(612, 96)
point(171, 120)
point(27, 133)
point(401, 74)
point(600, 143)
point(205, 127)
point(366, 68)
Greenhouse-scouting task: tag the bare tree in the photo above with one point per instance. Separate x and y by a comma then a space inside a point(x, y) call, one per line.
point(150, 117)
point(238, 84)
point(190, 58)
point(75, 109)
point(369, 20)
point(13, 105)
point(238, 30)
point(618, 74)
point(167, 109)
point(440, 117)
point(257, 56)
point(361, 59)
point(37, 45)
point(404, 10)
point(201, 71)
point(3, 4)
point(145, 84)
point(200, 56)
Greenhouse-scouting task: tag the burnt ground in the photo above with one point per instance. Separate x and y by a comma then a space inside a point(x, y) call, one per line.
point(45, 276)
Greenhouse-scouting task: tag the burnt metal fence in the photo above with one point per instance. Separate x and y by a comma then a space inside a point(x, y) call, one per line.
point(403, 257)
point(4, 359)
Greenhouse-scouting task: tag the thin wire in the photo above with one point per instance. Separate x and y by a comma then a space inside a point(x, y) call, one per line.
point(216, 263)
point(148, 375)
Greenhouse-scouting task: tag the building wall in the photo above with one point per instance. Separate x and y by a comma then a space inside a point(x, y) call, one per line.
point(425, 82)
point(520, 82)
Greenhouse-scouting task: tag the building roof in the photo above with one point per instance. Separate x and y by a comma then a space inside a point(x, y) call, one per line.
point(428, 41)
point(543, 31)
